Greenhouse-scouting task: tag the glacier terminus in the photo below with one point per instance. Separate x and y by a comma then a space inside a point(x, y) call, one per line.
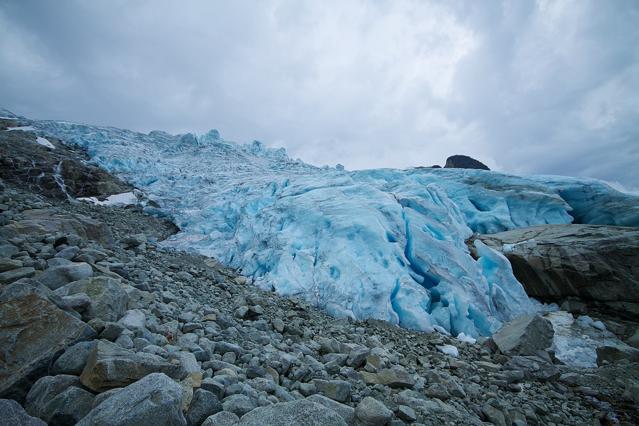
point(385, 244)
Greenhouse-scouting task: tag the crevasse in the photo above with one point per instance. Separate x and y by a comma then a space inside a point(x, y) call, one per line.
point(385, 244)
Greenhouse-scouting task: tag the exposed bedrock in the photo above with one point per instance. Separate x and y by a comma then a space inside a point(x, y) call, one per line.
point(592, 262)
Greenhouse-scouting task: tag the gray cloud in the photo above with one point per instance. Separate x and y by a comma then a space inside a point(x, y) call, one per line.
point(528, 87)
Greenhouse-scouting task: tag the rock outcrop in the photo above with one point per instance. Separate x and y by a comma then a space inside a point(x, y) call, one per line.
point(464, 162)
point(591, 262)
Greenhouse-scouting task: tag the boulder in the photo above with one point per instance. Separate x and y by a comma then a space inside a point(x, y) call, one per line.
point(372, 412)
point(464, 162)
point(223, 418)
point(14, 415)
point(300, 413)
point(74, 358)
point(111, 366)
point(58, 400)
point(395, 377)
point(616, 353)
point(239, 404)
point(109, 300)
point(337, 390)
point(557, 262)
point(203, 405)
point(58, 276)
point(33, 331)
point(525, 335)
point(153, 400)
point(16, 274)
point(345, 411)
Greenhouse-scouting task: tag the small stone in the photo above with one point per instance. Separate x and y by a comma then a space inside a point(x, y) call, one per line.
point(111, 331)
point(406, 413)
point(278, 325)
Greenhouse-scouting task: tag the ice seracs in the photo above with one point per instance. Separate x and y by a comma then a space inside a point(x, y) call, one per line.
point(386, 244)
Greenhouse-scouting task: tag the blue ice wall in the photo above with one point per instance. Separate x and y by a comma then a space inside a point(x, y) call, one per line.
point(386, 244)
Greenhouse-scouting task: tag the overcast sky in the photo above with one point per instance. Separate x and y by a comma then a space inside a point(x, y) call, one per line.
point(526, 87)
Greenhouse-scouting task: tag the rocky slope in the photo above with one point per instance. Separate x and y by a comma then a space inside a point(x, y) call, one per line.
point(98, 325)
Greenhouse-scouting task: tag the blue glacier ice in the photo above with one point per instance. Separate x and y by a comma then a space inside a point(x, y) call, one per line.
point(385, 244)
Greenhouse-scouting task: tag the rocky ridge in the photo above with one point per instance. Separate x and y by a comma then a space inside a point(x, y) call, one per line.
point(99, 325)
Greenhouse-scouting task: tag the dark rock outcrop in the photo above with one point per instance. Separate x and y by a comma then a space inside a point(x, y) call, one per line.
point(464, 162)
point(22, 159)
point(591, 262)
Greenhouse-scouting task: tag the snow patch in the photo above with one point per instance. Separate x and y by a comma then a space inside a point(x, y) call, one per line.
point(125, 198)
point(21, 128)
point(44, 142)
point(449, 350)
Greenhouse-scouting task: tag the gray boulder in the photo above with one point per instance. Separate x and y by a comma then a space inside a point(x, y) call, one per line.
point(591, 262)
point(58, 276)
point(14, 415)
point(299, 413)
point(110, 366)
point(372, 412)
point(152, 401)
point(16, 274)
point(223, 418)
point(58, 400)
point(33, 331)
point(203, 405)
point(239, 404)
point(345, 411)
point(109, 299)
point(74, 358)
point(338, 390)
point(525, 335)
point(615, 353)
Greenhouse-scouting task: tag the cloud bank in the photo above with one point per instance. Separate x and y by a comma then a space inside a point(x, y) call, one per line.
point(546, 87)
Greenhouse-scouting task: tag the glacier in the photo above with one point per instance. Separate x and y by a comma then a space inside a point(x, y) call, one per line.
point(385, 244)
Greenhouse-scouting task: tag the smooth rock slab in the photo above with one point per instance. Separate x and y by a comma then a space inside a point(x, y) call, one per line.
point(152, 401)
point(111, 366)
point(299, 413)
point(33, 331)
point(12, 414)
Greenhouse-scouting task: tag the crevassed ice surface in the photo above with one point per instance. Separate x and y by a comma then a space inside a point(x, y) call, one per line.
point(385, 244)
